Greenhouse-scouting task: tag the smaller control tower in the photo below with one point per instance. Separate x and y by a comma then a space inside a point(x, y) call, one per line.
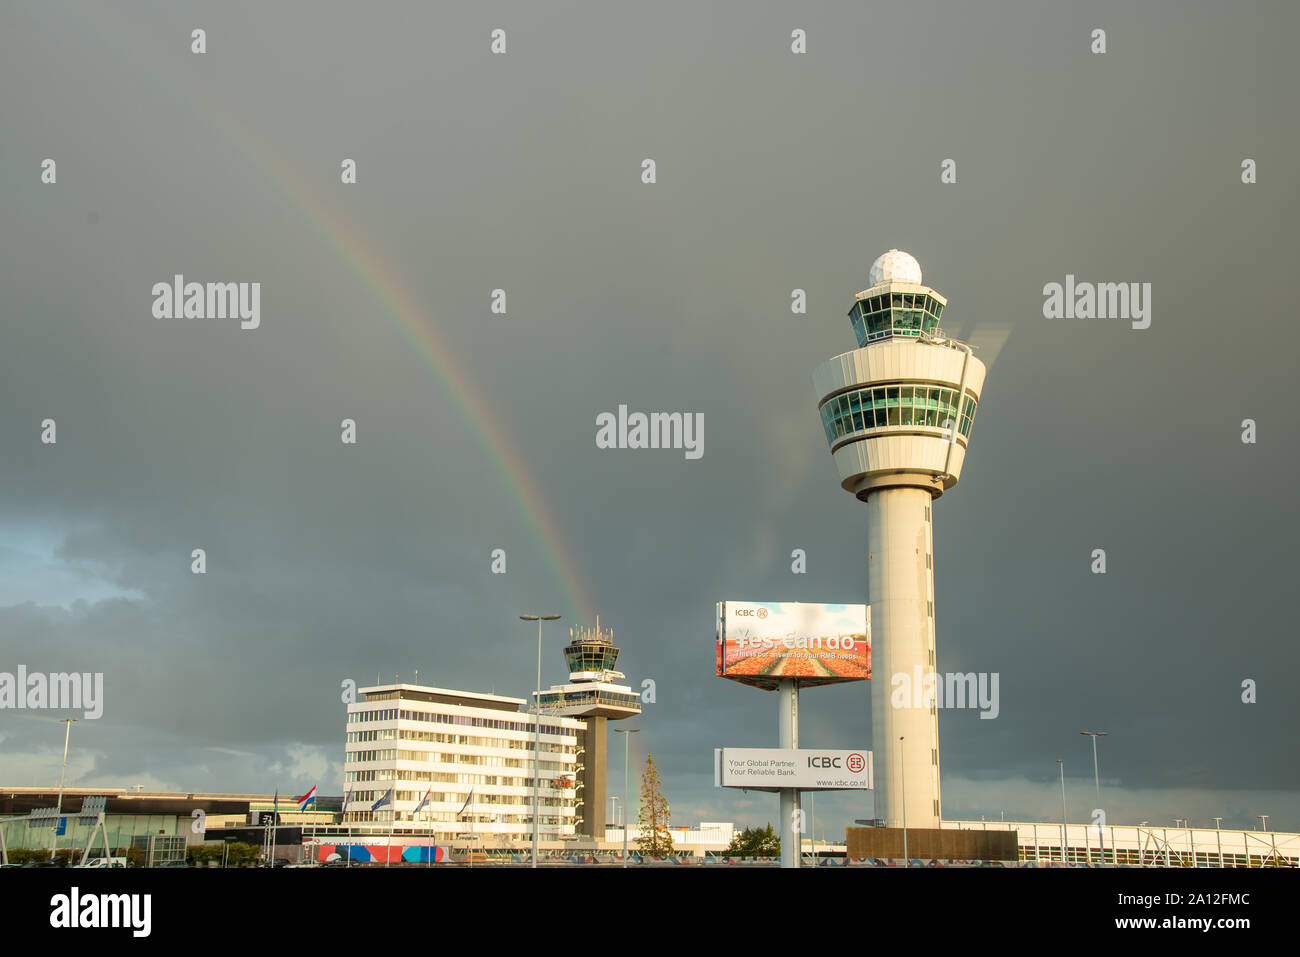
point(593, 697)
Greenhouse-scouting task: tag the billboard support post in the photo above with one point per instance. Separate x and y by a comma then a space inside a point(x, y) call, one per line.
point(788, 731)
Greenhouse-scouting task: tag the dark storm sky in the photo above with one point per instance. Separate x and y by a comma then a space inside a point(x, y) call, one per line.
point(775, 171)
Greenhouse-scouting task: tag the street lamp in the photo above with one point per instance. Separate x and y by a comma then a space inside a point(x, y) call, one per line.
point(1101, 834)
point(54, 841)
point(613, 809)
point(537, 722)
point(626, 803)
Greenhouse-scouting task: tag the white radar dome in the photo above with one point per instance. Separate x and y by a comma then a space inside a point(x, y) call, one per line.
point(895, 264)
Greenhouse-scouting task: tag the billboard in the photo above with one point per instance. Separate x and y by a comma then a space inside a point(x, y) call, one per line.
point(804, 769)
point(759, 643)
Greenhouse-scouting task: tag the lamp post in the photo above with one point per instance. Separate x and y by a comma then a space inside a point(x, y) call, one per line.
point(1218, 837)
point(626, 803)
point(1065, 834)
point(67, 730)
point(537, 723)
point(1101, 834)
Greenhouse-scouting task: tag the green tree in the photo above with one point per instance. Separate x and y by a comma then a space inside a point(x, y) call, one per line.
point(755, 842)
point(653, 818)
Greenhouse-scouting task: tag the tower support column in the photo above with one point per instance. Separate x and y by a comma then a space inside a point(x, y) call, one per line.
point(904, 718)
point(592, 778)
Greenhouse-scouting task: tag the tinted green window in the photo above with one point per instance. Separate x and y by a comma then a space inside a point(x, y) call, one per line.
point(898, 405)
point(896, 300)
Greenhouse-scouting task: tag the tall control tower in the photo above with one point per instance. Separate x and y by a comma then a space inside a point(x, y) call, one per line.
point(594, 697)
point(898, 411)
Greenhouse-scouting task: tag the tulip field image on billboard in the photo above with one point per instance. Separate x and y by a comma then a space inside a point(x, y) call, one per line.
point(758, 643)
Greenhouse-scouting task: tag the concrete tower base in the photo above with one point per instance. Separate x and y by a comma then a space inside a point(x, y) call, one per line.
point(591, 779)
point(905, 732)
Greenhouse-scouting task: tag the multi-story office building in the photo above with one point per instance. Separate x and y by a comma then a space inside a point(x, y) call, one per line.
point(439, 744)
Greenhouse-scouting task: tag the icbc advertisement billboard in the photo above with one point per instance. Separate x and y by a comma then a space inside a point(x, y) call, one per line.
point(759, 643)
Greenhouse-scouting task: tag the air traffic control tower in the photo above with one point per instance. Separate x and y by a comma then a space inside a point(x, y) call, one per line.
point(593, 697)
point(898, 411)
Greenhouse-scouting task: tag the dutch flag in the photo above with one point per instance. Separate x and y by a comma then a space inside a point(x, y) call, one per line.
point(307, 799)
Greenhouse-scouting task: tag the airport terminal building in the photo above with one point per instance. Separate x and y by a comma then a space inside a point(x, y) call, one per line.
point(456, 762)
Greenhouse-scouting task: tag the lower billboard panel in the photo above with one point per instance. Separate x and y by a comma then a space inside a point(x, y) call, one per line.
point(802, 769)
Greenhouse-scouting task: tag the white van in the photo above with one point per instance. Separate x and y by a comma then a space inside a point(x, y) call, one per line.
point(104, 862)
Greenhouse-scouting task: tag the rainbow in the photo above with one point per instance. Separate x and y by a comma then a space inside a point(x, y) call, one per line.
point(399, 305)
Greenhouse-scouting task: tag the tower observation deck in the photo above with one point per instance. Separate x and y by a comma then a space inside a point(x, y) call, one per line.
point(594, 696)
point(898, 412)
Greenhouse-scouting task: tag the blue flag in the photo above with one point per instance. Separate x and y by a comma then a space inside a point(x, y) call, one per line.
point(386, 799)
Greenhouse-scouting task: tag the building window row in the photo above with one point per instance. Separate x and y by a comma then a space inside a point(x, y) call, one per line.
point(590, 658)
point(477, 760)
point(381, 754)
point(568, 699)
point(437, 717)
point(902, 405)
point(451, 817)
point(894, 314)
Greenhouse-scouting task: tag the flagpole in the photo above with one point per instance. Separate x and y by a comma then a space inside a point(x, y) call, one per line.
point(392, 825)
